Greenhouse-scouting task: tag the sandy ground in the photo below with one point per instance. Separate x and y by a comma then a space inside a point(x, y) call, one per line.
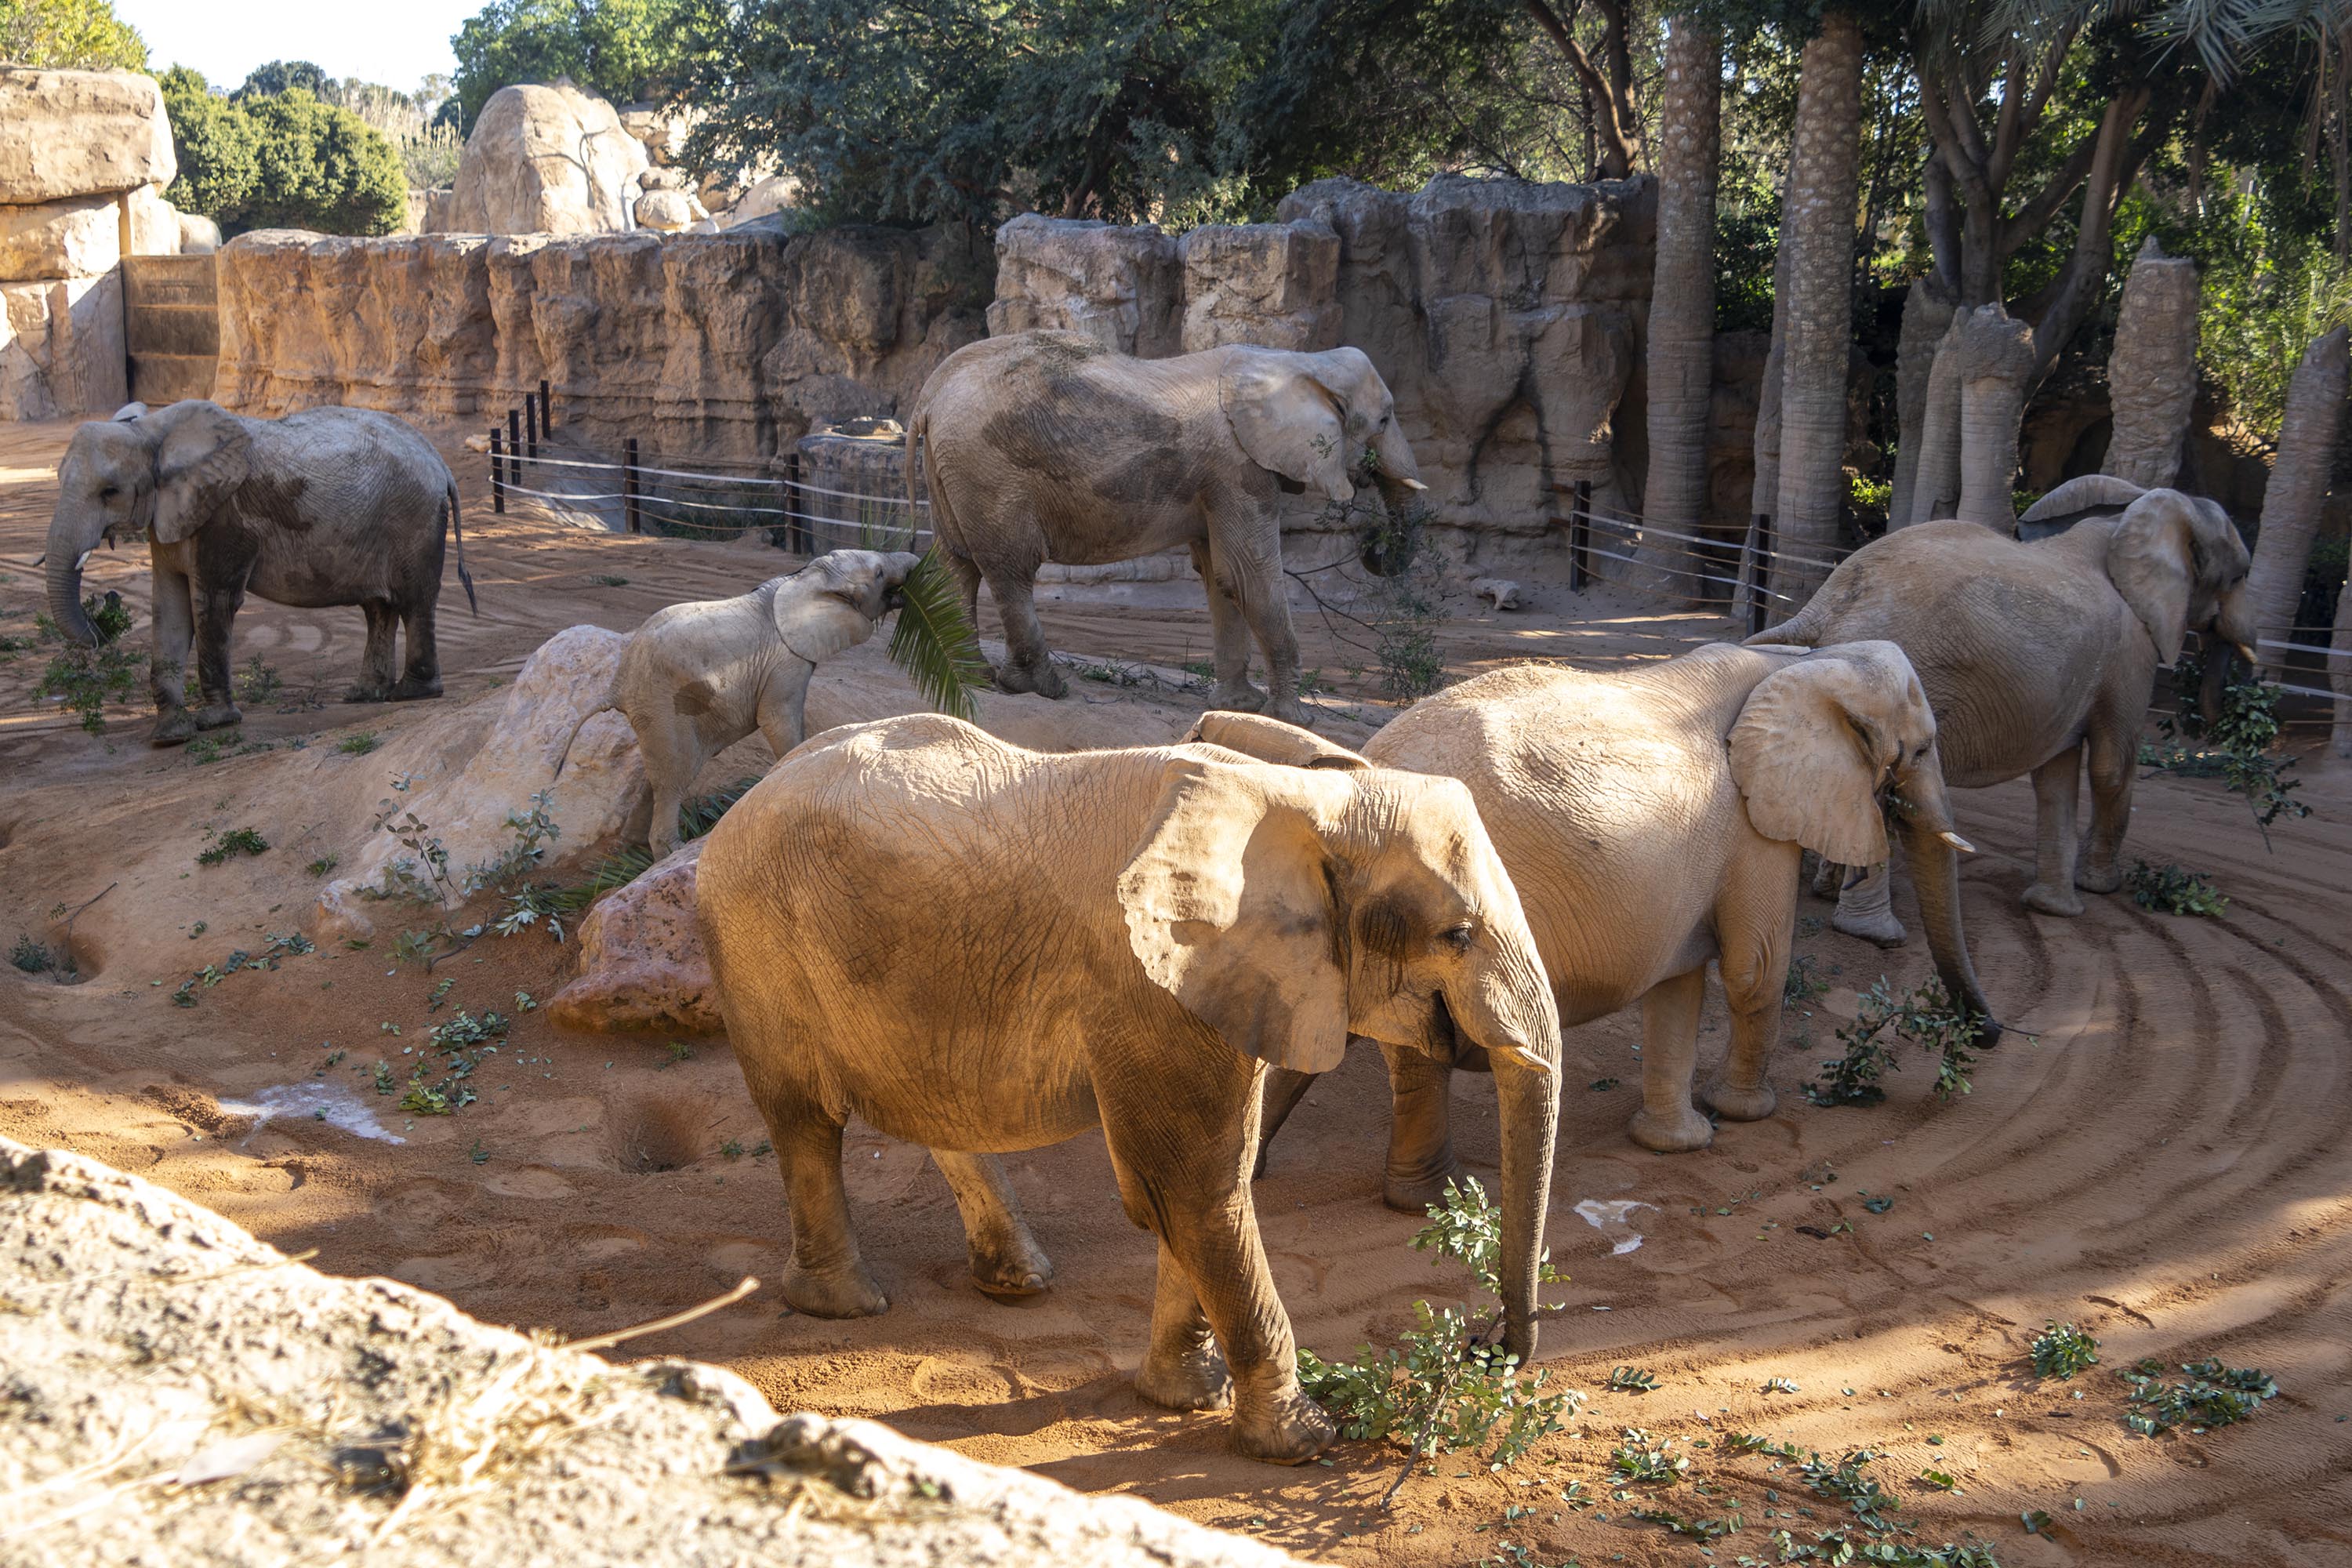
point(2165, 1163)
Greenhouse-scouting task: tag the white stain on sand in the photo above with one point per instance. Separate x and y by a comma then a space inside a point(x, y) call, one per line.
point(1612, 1217)
point(329, 1102)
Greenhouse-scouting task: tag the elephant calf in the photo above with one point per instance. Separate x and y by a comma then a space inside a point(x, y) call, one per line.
point(979, 948)
point(333, 506)
point(698, 677)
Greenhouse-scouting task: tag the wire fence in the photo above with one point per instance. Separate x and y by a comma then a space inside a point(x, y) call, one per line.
point(1744, 579)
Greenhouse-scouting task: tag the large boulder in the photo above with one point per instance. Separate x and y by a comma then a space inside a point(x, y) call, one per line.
point(155, 223)
point(178, 1391)
point(1273, 284)
point(641, 960)
point(78, 237)
point(545, 160)
point(1121, 285)
point(668, 211)
point(61, 347)
point(79, 134)
point(775, 193)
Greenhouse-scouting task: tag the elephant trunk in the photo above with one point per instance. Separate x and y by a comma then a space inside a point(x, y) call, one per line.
point(1935, 874)
point(1528, 1096)
point(64, 569)
point(2220, 661)
point(2233, 635)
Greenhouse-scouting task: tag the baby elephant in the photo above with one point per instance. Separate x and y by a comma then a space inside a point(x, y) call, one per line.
point(698, 677)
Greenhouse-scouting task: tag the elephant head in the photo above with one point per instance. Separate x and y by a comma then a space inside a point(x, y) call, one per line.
point(168, 472)
point(833, 602)
point(1322, 421)
point(1287, 907)
point(2176, 559)
point(1830, 746)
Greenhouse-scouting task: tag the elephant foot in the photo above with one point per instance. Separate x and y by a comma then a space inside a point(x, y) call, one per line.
point(1677, 1134)
point(412, 689)
point(1044, 679)
point(1743, 1104)
point(218, 716)
point(2044, 899)
point(362, 692)
point(1021, 1269)
point(834, 1292)
point(1414, 1192)
point(1291, 1430)
point(1193, 1379)
point(174, 727)
point(2106, 878)
point(1828, 878)
point(1878, 926)
point(1239, 698)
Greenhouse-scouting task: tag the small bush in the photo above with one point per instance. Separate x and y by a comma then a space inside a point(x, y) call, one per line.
point(2061, 1350)
point(358, 745)
point(32, 957)
point(1927, 1018)
point(221, 847)
point(2240, 745)
point(2169, 890)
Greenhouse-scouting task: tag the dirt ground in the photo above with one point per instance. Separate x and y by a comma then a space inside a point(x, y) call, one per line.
point(2164, 1162)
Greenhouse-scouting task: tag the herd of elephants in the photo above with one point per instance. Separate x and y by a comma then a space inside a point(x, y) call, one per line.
point(980, 949)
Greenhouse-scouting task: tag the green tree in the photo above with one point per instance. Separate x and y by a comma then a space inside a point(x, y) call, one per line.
point(69, 34)
point(284, 76)
point(622, 49)
point(321, 167)
point(214, 141)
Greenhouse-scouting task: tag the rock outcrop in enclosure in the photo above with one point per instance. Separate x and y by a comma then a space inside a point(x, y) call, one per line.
point(544, 160)
point(727, 344)
point(178, 1391)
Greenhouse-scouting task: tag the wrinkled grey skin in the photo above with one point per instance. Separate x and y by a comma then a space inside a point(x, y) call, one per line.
point(334, 506)
point(2039, 658)
point(1049, 446)
point(697, 678)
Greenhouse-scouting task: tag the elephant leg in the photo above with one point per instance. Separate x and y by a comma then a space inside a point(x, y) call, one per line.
point(1028, 662)
point(967, 580)
point(674, 758)
point(1667, 1120)
point(2114, 760)
point(782, 714)
point(827, 1277)
point(1755, 969)
point(1183, 1369)
point(1828, 877)
point(1253, 572)
point(1866, 909)
point(1283, 1089)
point(2052, 893)
point(1229, 638)
point(1005, 1259)
point(1420, 1130)
point(422, 676)
point(167, 663)
point(215, 610)
point(375, 684)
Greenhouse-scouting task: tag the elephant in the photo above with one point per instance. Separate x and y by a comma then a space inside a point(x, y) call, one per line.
point(980, 949)
point(1654, 822)
point(697, 677)
point(2038, 656)
point(1046, 445)
point(331, 506)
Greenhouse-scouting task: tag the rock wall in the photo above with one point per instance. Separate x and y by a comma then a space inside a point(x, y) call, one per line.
point(1507, 318)
point(544, 160)
point(725, 344)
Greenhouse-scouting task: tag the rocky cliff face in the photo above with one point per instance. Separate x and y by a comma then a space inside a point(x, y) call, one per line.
point(545, 160)
point(724, 344)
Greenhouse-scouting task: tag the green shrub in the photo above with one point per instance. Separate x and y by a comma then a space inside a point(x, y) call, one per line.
point(2061, 1350)
point(1927, 1018)
point(68, 35)
point(281, 161)
point(2171, 890)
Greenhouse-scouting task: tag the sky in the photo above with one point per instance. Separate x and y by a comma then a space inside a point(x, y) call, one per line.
point(395, 42)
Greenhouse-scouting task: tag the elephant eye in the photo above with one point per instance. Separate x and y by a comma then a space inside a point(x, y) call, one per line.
point(108, 492)
point(1457, 936)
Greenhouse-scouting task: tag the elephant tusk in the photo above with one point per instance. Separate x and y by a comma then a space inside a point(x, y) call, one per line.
point(1412, 484)
point(2244, 652)
point(1956, 842)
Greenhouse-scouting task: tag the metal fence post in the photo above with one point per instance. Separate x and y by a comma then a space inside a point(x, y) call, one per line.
point(796, 530)
point(498, 471)
point(629, 485)
point(531, 424)
point(546, 409)
point(1579, 537)
point(514, 442)
point(1759, 571)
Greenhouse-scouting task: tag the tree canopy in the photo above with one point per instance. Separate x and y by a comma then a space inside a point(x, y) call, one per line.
point(623, 51)
point(69, 34)
point(283, 160)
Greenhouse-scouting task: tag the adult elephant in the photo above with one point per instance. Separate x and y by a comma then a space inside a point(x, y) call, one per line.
point(2038, 656)
point(979, 948)
point(1653, 822)
point(1049, 446)
point(333, 506)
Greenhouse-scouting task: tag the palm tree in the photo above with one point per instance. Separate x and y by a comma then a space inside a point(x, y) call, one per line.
point(2306, 451)
point(2152, 374)
point(1682, 290)
point(1817, 230)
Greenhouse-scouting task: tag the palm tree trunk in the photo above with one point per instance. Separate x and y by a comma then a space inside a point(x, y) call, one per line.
point(1819, 226)
point(1995, 363)
point(1936, 482)
point(2306, 451)
point(2340, 669)
point(1926, 316)
point(1682, 299)
point(2152, 374)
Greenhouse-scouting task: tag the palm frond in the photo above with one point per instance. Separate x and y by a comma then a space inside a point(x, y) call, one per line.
point(934, 642)
point(696, 818)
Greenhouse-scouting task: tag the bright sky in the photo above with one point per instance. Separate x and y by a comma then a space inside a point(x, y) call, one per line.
point(395, 42)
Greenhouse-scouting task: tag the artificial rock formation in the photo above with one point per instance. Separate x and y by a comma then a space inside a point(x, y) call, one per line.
point(730, 345)
point(1993, 362)
point(77, 133)
point(1272, 284)
point(1926, 317)
point(545, 160)
point(2291, 506)
point(1119, 285)
point(2152, 374)
point(178, 1391)
point(641, 960)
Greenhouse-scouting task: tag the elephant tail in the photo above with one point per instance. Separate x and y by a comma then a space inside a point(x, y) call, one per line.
point(604, 704)
point(458, 529)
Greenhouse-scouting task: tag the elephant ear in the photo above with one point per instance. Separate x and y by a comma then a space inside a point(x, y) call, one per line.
point(201, 457)
point(1811, 745)
point(1288, 421)
point(821, 609)
point(1272, 740)
point(1229, 908)
point(2152, 562)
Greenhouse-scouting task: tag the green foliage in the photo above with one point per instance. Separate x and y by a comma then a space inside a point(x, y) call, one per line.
point(623, 51)
point(284, 76)
point(358, 745)
point(215, 143)
point(462, 1043)
point(1631, 1380)
point(2213, 1395)
point(221, 847)
point(69, 34)
point(429, 157)
point(2242, 745)
point(1640, 1460)
point(31, 956)
point(1802, 983)
point(934, 642)
point(2061, 1350)
point(1447, 1386)
point(696, 817)
point(2169, 890)
point(1927, 1018)
point(282, 159)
